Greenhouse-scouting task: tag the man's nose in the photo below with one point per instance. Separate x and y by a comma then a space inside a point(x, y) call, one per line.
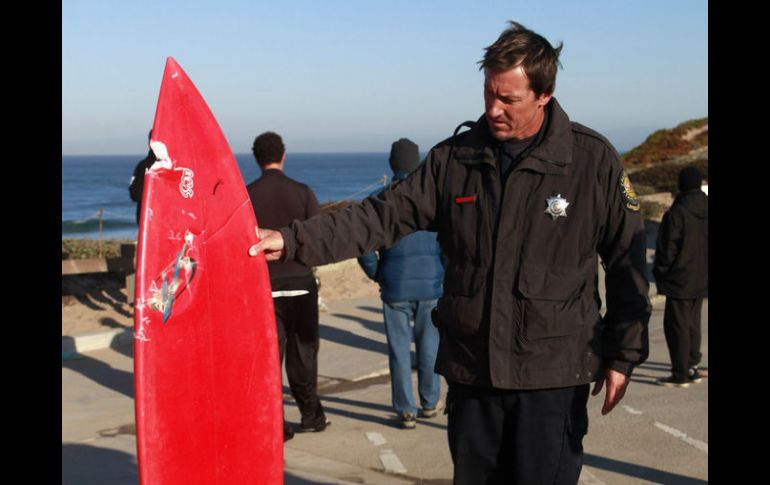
point(494, 109)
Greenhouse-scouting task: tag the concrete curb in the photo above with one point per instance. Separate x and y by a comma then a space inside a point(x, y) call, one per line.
point(71, 345)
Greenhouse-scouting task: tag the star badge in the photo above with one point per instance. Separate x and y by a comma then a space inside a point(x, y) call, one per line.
point(557, 206)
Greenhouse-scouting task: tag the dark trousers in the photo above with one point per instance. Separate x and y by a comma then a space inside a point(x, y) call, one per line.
point(296, 318)
point(681, 324)
point(516, 437)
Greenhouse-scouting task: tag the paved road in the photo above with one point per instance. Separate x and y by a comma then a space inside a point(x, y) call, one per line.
point(656, 435)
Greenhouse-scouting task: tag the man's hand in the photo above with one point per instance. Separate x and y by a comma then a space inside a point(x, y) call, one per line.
point(271, 243)
point(616, 388)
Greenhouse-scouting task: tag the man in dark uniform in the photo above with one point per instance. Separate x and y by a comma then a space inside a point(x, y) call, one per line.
point(524, 204)
point(681, 273)
point(278, 200)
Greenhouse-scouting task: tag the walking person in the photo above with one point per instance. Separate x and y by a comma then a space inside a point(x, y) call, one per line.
point(524, 202)
point(410, 275)
point(278, 200)
point(681, 273)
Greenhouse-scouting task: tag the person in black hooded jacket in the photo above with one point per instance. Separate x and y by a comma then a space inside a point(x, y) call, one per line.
point(681, 273)
point(136, 187)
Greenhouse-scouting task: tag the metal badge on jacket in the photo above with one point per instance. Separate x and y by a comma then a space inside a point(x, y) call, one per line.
point(557, 206)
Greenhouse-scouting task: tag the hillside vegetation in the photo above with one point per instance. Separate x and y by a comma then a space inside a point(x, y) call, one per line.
point(654, 165)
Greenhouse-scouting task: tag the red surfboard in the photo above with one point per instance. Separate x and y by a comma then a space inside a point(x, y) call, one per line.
point(206, 367)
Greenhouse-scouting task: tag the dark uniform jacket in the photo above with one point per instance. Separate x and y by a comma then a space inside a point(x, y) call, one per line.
point(521, 307)
point(682, 251)
point(277, 201)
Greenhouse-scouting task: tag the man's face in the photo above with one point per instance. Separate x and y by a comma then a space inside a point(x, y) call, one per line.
point(513, 110)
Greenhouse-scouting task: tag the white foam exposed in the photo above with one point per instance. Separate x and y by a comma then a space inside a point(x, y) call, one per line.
point(161, 153)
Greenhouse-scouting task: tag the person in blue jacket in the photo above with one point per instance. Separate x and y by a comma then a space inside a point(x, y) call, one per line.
point(410, 274)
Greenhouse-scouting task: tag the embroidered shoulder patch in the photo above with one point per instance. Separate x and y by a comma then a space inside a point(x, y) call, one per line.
point(629, 196)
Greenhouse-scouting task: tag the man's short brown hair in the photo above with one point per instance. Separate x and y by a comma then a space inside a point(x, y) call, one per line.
point(518, 45)
point(268, 148)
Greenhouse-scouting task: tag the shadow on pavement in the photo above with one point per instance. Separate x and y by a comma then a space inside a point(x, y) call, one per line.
point(665, 366)
point(118, 468)
point(390, 421)
point(373, 325)
point(360, 404)
point(86, 465)
point(103, 374)
point(638, 471)
point(289, 479)
point(346, 337)
point(125, 349)
point(377, 310)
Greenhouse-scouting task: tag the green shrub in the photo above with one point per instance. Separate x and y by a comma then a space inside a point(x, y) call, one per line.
point(89, 248)
point(663, 178)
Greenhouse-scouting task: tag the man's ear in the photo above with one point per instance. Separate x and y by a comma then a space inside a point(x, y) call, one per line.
point(544, 99)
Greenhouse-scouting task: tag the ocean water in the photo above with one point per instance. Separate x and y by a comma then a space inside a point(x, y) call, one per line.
point(100, 182)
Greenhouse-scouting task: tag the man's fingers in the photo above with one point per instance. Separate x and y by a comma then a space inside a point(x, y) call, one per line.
point(270, 243)
point(612, 398)
point(597, 387)
point(617, 383)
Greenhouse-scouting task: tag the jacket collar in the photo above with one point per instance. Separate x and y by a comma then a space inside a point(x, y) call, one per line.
point(553, 155)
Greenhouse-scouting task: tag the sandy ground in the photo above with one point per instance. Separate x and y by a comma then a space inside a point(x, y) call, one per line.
point(98, 302)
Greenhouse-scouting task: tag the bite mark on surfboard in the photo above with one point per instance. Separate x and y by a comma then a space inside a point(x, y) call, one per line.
point(186, 185)
point(162, 159)
point(174, 279)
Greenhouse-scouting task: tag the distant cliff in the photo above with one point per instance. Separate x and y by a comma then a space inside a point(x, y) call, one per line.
point(654, 165)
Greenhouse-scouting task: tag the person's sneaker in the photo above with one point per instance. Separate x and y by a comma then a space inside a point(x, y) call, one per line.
point(430, 412)
point(671, 382)
point(696, 375)
point(315, 429)
point(408, 420)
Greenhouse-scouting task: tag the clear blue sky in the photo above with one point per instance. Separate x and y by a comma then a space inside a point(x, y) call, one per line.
point(355, 75)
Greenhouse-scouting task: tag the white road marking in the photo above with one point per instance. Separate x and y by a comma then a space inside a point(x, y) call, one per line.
point(704, 447)
point(376, 438)
point(287, 293)
point(391, 462)
point(588, 478)
point(632, 410)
